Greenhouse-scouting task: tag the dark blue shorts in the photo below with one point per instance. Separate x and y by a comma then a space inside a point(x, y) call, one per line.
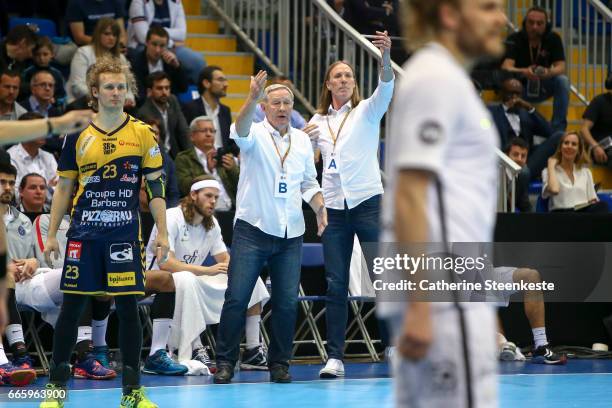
point(103, 268)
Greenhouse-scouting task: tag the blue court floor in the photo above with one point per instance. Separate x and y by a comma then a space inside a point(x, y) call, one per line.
point(581, 383)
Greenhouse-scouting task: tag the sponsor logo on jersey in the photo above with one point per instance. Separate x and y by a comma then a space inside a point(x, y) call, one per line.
point(91, 179)
point(430, 132)
point(109, 148)
point(154, 151)
point(21, 230)
point(190, 259)
point(121, 279)
point(129, 179)
point(88, 167)
point(105, 216)
point(86, 144)
point(120, 253)
point(74, 251)
point(130, 166)
point(127, 143)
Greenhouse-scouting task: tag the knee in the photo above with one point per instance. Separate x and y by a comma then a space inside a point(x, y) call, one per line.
point(167, 283)
point(562, 82)
point(527, 275)
point(337, 289)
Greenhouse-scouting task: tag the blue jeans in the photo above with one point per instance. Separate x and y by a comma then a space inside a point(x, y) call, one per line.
point(251, 249)
point(559, 88)
point(191, 61)
point(338, 238)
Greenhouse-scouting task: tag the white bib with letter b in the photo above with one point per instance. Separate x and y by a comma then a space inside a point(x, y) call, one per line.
point(281, 185)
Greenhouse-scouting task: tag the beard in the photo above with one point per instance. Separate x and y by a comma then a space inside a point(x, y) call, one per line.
point(207, 217)
point(6, 198)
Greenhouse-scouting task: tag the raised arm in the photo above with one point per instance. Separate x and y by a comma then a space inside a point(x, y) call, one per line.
point(247, 112)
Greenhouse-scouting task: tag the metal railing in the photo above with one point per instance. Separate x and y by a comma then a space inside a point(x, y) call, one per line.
point(585, 26)
point(301, 38)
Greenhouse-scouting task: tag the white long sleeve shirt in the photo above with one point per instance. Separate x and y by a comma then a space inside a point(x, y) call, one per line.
point(259, 167)
point(358, 176)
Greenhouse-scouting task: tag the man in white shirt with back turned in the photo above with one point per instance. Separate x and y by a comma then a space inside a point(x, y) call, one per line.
point(277, 172)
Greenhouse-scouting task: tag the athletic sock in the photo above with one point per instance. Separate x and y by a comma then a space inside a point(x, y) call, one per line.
point(3, 358)
point(14, 334)
point(252, 331)
point(161, 332)
point(539, 336)
point(501, 339)
point(98, 332)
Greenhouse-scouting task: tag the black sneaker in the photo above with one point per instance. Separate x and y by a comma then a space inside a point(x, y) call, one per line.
point(254, 359)
point(224, 374)
point(280, 374)
point(544, 355)
point(201, 355)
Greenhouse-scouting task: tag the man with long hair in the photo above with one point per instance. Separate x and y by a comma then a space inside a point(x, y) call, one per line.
point(194, 234)
point(104, 250)
point(442, 170)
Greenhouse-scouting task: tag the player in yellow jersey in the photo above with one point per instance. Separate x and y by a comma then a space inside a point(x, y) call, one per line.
point(104, 251)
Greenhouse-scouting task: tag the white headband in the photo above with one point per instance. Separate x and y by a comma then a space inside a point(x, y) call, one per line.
point(204, 184)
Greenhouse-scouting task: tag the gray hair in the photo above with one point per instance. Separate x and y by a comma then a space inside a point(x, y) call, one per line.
point(194, 122)
point(276, 87)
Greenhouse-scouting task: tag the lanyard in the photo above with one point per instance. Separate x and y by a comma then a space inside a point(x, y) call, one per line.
point(533, 60)
point(335, 136)
point(282, 158)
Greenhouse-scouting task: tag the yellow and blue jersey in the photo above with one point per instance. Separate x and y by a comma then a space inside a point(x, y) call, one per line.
point(108, 167)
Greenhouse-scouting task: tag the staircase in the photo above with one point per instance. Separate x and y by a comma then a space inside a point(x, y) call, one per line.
point(219, 49)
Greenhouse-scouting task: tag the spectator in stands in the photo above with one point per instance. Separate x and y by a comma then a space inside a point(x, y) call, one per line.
point(157, 57)
point(536, 54)
point(515, 117)
point(32, 194)
point(517, 149)
point(43, 54)
point(42, 95)
point(83, 16)
point(597, 123)
point(16, 48)
point(203, 158)
point(104, 43)
point(19, 371)
point(297, 120)
point(568, 181)
point(28, 157)
point(164, 106)
point(172, 192)
point(9, 91)
point(212, 85)
point(170, 15)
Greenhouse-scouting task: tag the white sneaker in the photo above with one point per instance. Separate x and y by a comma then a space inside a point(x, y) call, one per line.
point(509, 352)
point(333, 369)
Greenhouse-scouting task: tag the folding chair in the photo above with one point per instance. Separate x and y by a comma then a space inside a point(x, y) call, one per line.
point(32, 335)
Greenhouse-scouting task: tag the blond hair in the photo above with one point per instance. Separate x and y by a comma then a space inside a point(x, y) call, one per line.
point(108, 65)
point(326, 97)
point(421, 21)
point(96, 37)
point(582, 157)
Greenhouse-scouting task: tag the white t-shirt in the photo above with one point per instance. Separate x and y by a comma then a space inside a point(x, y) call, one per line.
point(190, 243)
point(439, 124)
